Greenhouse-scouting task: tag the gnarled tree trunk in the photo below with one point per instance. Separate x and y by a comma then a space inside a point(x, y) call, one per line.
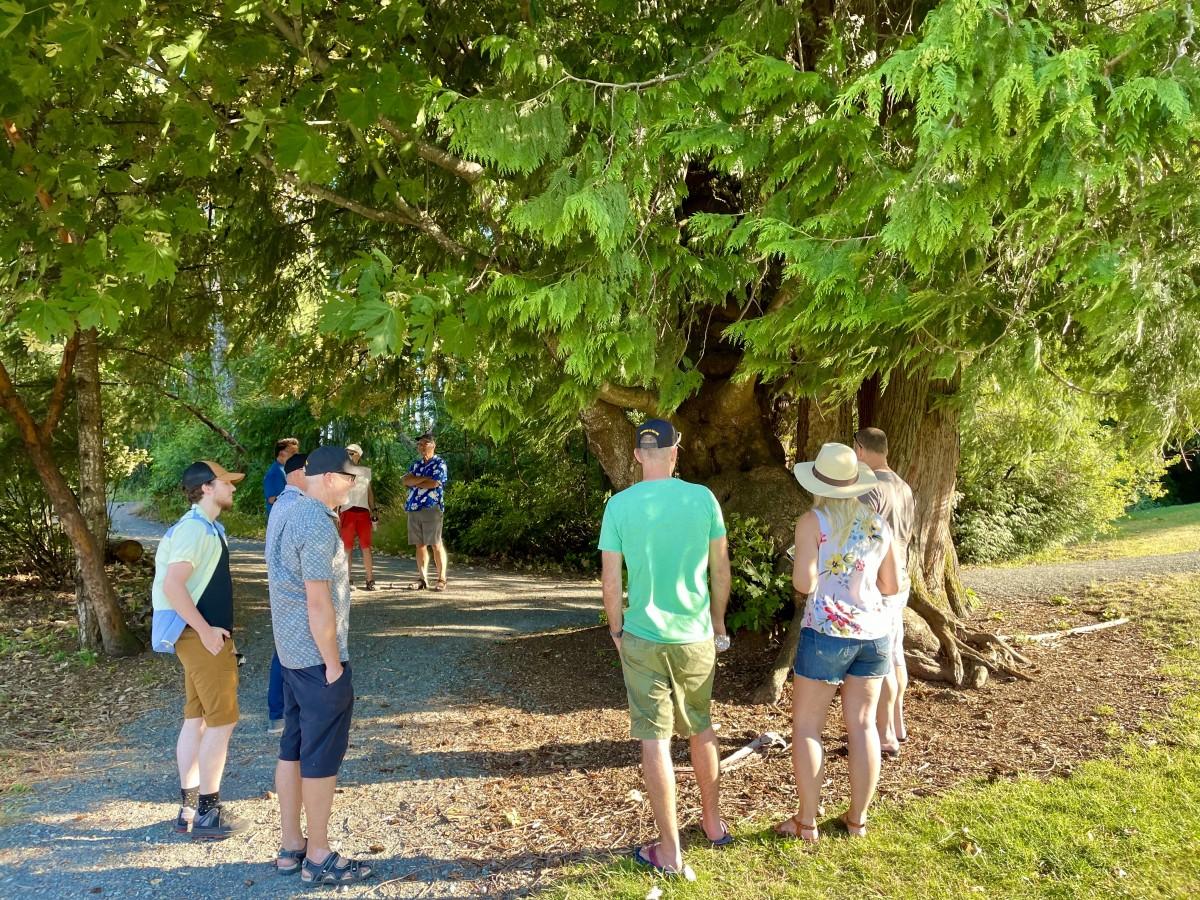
point(920, 415)
point(818, 422)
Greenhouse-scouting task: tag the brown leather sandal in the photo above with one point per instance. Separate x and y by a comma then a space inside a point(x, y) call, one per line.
point(851, 827)
point(798, 834)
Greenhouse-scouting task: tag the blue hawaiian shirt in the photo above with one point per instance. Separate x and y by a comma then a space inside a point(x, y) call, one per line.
point(428, 498)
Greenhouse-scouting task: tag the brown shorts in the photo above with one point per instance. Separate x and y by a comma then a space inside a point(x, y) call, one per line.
point(210, 683)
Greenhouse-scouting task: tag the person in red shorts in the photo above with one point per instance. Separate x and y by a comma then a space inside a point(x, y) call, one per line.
point(357, 518)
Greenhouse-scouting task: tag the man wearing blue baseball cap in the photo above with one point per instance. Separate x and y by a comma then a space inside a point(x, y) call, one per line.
point(670, 536)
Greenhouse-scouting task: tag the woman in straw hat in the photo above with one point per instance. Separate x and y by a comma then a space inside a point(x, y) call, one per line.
point(844, 563)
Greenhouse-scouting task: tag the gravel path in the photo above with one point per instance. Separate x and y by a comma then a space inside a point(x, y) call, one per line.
point(102, 829)
point(1046, 580)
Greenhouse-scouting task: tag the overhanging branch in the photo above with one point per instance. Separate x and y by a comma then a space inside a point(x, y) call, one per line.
point(630, 398)
point(469, 172)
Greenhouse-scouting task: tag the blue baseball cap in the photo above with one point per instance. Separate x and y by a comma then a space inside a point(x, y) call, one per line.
point(657, 434)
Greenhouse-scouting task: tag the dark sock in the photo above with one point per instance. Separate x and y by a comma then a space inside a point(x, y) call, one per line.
point(189, 797)
point(208, 801)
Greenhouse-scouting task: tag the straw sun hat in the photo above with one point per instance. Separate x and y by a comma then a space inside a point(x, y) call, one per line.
point(836, 472)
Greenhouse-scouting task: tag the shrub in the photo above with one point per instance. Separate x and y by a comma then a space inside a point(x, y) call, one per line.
point(551, 516)
point(1040, 468)
point(758, 591)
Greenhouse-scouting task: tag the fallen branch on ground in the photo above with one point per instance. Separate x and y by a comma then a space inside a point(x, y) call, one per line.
point(1082, 629)
point(760, 747)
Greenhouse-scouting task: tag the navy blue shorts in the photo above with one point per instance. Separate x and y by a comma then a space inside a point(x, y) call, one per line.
point(316, 720)
point(823, 657)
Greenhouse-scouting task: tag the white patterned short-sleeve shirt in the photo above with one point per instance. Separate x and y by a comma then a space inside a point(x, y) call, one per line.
point(303, 545)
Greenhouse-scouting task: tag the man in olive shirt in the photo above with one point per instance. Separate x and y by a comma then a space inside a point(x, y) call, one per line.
point(670, 534)
point(892, 499)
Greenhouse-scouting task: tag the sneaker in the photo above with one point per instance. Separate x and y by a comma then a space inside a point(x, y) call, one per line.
point(183, 821)
point(216, 825)
point(275, 726)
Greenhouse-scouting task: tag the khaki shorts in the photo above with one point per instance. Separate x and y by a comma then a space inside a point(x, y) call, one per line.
point(425, 527)
point(210, 683)
point(669, 687)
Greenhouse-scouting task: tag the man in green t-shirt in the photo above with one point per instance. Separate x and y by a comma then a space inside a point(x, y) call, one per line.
point(671, 536)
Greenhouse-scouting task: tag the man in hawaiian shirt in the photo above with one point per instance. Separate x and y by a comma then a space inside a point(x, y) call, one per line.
point(426, 480)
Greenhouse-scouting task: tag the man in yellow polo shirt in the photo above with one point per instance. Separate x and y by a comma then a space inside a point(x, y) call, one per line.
point(193, 618)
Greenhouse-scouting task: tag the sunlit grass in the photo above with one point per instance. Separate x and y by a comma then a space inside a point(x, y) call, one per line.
point(1120, 827)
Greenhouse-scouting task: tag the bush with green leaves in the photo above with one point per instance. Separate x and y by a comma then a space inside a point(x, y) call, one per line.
point(1041, 468)
point(759, 592)
point(546, 513)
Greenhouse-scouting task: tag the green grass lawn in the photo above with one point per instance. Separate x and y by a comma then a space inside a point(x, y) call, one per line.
point(1122, 827)
point(1146, 532)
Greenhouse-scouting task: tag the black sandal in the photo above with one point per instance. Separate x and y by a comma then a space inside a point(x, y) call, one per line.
point(289, 862)
point(419, 585)
point(329, 872)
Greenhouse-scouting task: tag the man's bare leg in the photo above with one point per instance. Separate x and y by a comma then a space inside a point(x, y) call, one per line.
point(368, 563)
point(287, 788)
point(214, 747)
point(706, 760)
point(660, 785)
point(422, 562)
point(440, 560)
point(859, 699)
point(885, 719)
point(898, 713)
point(317, 794)
point(187, 752)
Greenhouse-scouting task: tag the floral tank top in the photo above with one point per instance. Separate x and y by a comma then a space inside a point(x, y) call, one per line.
point(847, 602)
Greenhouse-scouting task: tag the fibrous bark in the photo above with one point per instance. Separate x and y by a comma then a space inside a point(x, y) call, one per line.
point(115, 635)
point(92, 499)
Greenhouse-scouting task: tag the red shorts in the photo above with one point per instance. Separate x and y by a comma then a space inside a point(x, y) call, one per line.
point(355, 522)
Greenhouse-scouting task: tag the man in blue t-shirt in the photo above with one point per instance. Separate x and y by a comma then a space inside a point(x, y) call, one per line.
point(276, 478)
point(426, 483)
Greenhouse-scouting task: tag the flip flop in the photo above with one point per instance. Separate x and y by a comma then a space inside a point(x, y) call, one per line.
point(647, 860)
point(889, 753)
point(724, 840)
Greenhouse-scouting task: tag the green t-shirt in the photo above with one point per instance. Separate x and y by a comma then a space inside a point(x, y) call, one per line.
point(662, 528)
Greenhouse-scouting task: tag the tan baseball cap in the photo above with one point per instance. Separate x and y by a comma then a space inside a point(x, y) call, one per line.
point(205, 470)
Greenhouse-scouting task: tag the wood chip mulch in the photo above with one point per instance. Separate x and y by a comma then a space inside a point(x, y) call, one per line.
point(558, 777)
point(54, 701)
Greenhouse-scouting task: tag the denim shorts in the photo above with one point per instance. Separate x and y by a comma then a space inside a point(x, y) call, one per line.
point(316, 720)
point(823, 657)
